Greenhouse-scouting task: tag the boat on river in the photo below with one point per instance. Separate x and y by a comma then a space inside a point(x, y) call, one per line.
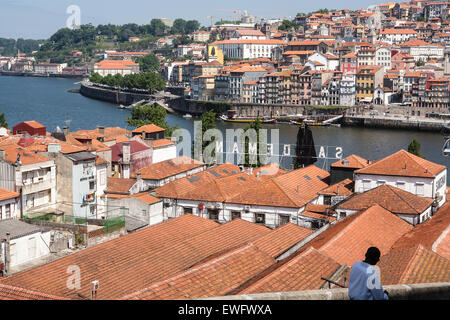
point(231, 117)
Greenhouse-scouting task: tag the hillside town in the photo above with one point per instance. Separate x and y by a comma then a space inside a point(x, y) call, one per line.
point(163, 220)
point(140, 221)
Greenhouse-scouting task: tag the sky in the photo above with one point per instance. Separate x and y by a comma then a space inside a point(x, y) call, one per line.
point(39, 19)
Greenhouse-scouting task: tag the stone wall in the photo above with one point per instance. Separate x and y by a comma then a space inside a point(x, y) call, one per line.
point(112, 96)
point(367, 122)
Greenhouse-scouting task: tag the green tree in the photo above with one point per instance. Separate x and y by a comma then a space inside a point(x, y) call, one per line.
point(149, 62)
point(256, 125)
point(150, 114)
point(157, 27)
point(192, 26)
point(179, 26)
point(95, 77)
point(3, 122)
point(414, 148)
point(208, 122)
point(287, 25)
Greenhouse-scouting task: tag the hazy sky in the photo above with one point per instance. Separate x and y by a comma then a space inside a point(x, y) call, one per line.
point(39, 19)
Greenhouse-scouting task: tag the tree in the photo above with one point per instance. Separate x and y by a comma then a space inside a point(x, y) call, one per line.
point(95, 77)
point(287, 25)
point(179, 26)
point(192, 26)
point(150, 114)
point(149, 62)
point(157, 27)
point(3, 122)
point(414, 148)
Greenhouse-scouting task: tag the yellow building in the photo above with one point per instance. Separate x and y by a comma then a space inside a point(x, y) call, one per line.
point(214, 53)
point(368, 78)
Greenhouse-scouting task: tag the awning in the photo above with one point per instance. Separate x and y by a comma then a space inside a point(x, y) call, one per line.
point(366, 100)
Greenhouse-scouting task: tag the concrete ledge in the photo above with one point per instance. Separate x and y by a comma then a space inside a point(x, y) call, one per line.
point(422, 291)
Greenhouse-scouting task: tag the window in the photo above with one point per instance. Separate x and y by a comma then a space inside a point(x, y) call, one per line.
point(91, 185)
point(92, 209)
point(213, 214)
point(32, 248)
point(284, 218)
point(380, 182)
point(235, 215)
point(260, 218)
point(1, 210)
point(144, 212)
point(401, 185)
point(187, 210)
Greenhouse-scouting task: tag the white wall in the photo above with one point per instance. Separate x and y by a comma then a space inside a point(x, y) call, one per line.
point(21, 249)
point(14, 209)
point(166, 153)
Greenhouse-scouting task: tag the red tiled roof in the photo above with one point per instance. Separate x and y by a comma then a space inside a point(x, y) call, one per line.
point(390, 198)
point(184, 185)
point(168, 168)
point(216, 277)
point(148, 128)
point(34, 124)
point(119, 185)
point(352, 161)
point(343, 188)
point(8, 292)
point(162, 143)
point(403, 163)
point(7, 194)
point(136, 260)
point(26, 156)
point(427, 233)
point(281, 239)
point(144, 197)
point(302, 272)
point(413, 265)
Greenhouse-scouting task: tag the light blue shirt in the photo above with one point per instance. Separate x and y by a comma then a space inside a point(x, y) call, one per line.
point(364, 283)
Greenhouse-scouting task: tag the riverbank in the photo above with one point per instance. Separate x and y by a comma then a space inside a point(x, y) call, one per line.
point(41, 75)
point(396, 123)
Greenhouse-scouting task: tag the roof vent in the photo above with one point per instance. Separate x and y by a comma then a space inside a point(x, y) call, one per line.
point(345, 162)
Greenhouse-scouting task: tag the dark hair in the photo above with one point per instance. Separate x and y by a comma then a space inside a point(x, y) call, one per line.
point(373, 255)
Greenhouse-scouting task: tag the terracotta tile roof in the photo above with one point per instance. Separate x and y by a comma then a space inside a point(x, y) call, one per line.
point(427, 233)
point(281, 239)
point(413, 265)
point(442, 245)
point(398, 31)
point(269, 171)
point(403, 163)
point(161, 143)
point(26, 157)
point(139, 258)
point(268, 42)
point(347, 240)
point(115, 64)
point(34, 124)
point(390, 198)
point(216, 277)
point(302, 272)
point(374, 227)
point(352, 161)
point(319, 216)
point(343, 188)
point(318, 208)
point(184, 185)
point(7, 194)
point(350, 55)
point(168, 168)
point(119, 185)
point(100, 161)
point(8, 292)
point(148, 128)
point(298, 53)
point(293, 189)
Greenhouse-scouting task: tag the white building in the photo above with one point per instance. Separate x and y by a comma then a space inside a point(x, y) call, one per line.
point(328, 61)
point(9, 204)
point(422, 51)
point(395, 36)
point(114, 67)
point(248, 49)
point(383, 57)
point(49, 67)
point(31, 174)
point(407, 172)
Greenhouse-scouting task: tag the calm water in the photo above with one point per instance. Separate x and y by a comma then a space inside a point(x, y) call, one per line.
point(47, 101)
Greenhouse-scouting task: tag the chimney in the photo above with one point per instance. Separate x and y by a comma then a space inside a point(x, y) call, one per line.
point(7, 253)
point(94, 289)
point(258, 174)
point(139, 176)
point(126, 152)
point(66, 131)
point(2, 154)
point(101, 130)
point(338, 190)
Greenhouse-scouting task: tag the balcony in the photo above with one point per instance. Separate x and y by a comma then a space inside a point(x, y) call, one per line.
point(34, 187)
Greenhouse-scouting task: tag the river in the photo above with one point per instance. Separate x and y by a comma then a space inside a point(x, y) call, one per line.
point(48, 101)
